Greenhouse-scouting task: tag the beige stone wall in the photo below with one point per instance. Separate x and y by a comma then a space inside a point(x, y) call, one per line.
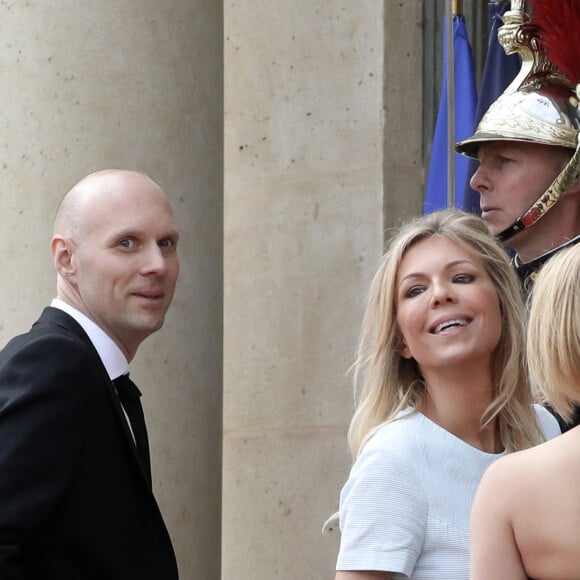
point(137, 84)
point(321, 151)
point(404, 174)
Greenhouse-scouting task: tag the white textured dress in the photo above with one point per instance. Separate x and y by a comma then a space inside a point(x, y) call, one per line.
point(406, 505)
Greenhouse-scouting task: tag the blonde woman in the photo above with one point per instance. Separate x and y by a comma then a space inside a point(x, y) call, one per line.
point(443, 394)
point(526, 516)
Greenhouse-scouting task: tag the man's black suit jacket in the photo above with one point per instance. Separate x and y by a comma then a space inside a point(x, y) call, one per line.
point(74, 503)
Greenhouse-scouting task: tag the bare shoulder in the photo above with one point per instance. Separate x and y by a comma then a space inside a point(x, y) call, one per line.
point(494, 553)
point(510, 479)
point(546, 520)
point(559, 453)
point(509, 467)
point(526, 512)
point(552, 453)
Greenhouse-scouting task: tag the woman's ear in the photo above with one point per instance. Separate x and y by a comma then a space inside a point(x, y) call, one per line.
point(403, 349)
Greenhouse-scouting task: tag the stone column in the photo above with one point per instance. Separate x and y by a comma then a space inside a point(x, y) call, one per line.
point(404, 174)
point(132, 84)
point(309, 113)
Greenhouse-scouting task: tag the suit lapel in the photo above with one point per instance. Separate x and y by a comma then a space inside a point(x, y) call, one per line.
point(68, 325)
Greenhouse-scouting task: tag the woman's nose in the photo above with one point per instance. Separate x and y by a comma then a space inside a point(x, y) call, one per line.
point(442, 292)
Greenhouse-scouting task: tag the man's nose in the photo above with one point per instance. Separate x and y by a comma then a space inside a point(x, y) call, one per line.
point(154, 261)
point(479, 181)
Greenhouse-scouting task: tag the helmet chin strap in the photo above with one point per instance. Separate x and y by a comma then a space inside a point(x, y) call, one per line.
point(567, 177)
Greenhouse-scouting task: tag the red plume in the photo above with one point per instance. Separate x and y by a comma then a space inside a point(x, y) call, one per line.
point(558, 23)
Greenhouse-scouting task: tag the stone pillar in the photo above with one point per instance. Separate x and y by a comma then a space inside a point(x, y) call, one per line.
point(404, 174)
point(132, 84)
point(308, 120)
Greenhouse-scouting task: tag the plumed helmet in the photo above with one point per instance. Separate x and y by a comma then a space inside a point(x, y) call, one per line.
point(534, 115)
point(541, 104)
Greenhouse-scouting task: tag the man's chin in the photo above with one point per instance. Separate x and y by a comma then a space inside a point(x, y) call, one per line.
point(495, 228)
point(146, 325)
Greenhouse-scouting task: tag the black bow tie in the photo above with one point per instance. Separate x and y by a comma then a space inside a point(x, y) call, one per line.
point(130, 397)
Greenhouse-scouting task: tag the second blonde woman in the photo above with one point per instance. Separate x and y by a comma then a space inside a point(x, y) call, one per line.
point(442, 393)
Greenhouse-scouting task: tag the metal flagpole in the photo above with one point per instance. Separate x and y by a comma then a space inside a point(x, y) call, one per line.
point(452, 7)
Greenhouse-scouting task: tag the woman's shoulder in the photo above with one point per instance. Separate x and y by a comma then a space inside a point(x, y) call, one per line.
point(397, 428)
point(390, 456)
point(403, 437)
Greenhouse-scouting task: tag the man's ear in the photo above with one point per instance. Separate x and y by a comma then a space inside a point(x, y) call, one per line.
point(62, 255)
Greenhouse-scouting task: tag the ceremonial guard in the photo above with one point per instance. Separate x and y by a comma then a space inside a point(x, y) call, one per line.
point(527, 143)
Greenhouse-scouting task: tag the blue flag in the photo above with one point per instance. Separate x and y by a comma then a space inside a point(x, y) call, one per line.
point(465, 102)
point(499, 71)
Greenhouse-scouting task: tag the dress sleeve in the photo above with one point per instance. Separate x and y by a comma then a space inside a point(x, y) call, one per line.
point(548, 422)
point(383, 514)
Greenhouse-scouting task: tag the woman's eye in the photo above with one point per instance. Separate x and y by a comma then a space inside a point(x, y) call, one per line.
point(463, 278)
point(414, 291)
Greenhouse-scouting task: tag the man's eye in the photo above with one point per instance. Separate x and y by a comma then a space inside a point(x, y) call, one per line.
point(167, 243)
point(127, 243)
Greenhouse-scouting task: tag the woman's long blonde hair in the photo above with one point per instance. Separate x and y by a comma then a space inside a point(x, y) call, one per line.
point(554, 331)
point(386, 383)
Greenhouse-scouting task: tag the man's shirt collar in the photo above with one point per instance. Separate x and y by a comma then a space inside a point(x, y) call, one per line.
point(111, 355)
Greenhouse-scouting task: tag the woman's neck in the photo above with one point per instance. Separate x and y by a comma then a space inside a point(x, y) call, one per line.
point(457, 404)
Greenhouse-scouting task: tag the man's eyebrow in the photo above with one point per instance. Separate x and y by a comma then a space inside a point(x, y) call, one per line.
point(173, 234)
point(137, 232)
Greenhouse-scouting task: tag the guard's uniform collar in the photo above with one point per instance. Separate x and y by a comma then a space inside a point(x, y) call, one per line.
point(528, 271)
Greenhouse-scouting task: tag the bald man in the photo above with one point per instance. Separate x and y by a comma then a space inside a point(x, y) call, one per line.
point(75, 484)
